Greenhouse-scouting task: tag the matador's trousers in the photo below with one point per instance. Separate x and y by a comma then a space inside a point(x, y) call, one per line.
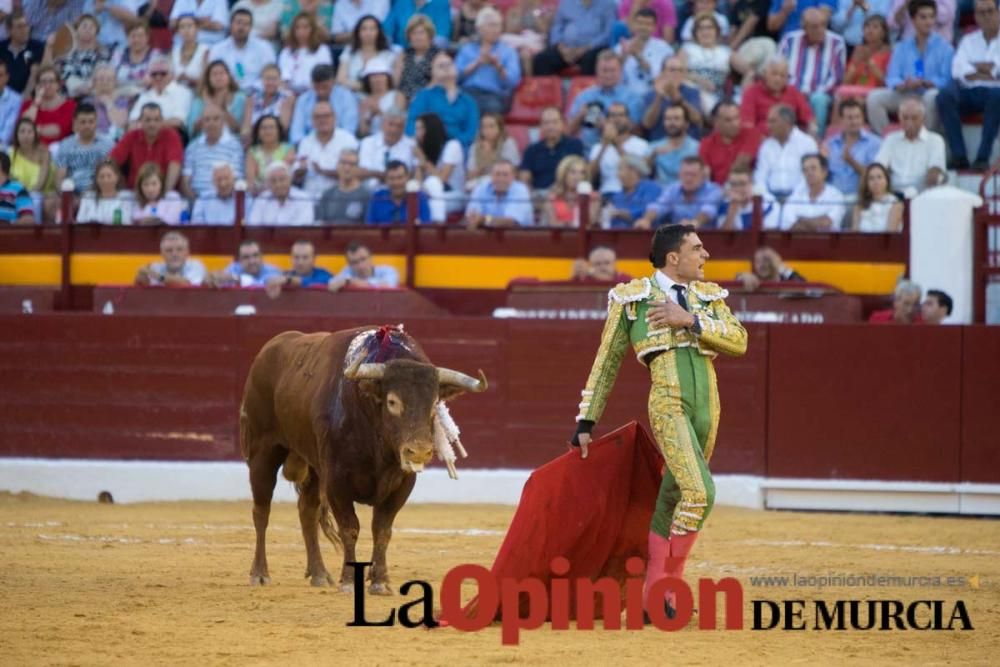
point(684, 413)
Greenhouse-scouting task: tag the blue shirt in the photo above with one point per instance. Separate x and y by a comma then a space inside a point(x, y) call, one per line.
point(210, 209)
point(486, 77)
point(745, 216)
point(605, 97)
point(267, 272)
point(200, 158)
point(842, 175)
point(317, 277)
point(668, 165)
point(907, 62)
point(794, 20)
point(853, 30)
point(344, 103)
point(690, 94)
point(438, 11)
point(382, 276)
point(675, 205)
point(14, 200)
point(383, 210)
point(577, 24)
point(515, 203)
point(542, 161)
point(646, 192)
point(460, 117)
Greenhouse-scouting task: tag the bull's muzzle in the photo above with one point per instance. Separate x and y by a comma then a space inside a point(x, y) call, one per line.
point(414, 456)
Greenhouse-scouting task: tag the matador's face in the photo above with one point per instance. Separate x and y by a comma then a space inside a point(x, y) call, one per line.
point(691, 258)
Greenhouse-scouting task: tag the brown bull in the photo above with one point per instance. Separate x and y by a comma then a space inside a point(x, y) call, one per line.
point(344, 433)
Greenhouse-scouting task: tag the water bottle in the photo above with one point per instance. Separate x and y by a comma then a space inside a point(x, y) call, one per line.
point(185, 217)
point(117, 217)
point(918, 68)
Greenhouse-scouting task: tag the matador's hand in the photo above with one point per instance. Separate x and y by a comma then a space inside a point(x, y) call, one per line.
point(668, 313)
point(582, 437)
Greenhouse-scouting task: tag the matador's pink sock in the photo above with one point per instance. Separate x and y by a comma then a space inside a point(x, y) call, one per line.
point(659, 549)
point(679, 547)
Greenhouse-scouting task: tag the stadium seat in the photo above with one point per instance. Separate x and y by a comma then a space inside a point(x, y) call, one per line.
point(577, 84)
point(522, 134)
point(890, 128)
point(162, 39)
point(533, 95)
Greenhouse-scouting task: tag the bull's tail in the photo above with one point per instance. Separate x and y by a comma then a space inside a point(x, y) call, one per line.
point(328, 526)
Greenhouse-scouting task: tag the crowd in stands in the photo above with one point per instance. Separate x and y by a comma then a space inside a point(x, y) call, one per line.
point(496, 114)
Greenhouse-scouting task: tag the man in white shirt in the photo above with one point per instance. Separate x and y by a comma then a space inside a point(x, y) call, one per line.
point(975, 89)
point(282, 204)
point(779, 160)
point(643, 53)
point(378, 150)
point(616, 140)
point(319, 151)
point(177, 268)
point(218, 207)
point(244, 54)
point(814, 206)
point(173, 98)
point(347, 13)
point(914, 155)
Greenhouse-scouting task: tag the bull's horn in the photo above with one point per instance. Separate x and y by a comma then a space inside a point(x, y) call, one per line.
point(448, 376)
point(360, 371)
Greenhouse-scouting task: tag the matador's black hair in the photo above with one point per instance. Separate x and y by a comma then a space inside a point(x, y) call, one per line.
point(667, 238)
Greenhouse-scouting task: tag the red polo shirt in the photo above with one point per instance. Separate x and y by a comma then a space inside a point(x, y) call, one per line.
point(758, 100)
point(136, 151)
point(719, 156)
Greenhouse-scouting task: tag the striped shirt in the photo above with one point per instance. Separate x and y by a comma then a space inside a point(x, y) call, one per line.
point(812, 67)
point(14, 201)
point(200, 156)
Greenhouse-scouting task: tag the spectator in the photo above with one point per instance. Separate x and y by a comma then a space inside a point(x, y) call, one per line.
point(397, 23)
point(106, 203)
point(851, 149)
point(16, 205)
point(218, 205)
point(155, 205)
point(321, 11)
point(902, 23)
point(502, 201)
point(440, 166)
point(177, 268)
point(324, 87)
point(616, 142)
point(132, 63)
point(786, 15)
point(976, 88)
point(600, 266)
point(852, 16)
point(151, 142)
point(347, 201)
point(692, 200)
point(76, 67)
point(670, 90)
point(268, 146)
point(779, 161)
point(50, 110)
point(368, 45)
point(456, 109)
point(878, 209)
point(525, 28)
point(349, 14)
point(700, 7)
point(216, 144)
point(379, 149)
point(249, 269)
point(709, 60)
point(464, 30)
point(731, 144)
point(271, 100)
point(643, 54)
point(588, 111)
point(244, 54)
point(905, 306)
point(919, 66)
point(10, 106)
point(768, 267)
point(113, 17)
point(541, 159)
point(936, 307)
point(303, 51)
point(815, 205)
point(667, 153)
point(318, 152)
point(751, 40)
point(304, 272)
point(773, 89)
point(282, 204)
point(21, 54)
point(562, 203)
point(29, 159)
point(870, 60)
point(489, 69)
point(638, 192)
point(211, 15)
point(112, 106)
point(666, 16)
point(266, 16)
point(362, 272)
point(580, 31)
point(914, 155)
point(820, 57)
point(174, 99)
point(188, 55)
point(378, 98)
point(217, 87)
point(736, 211)
point(79, 154)
point(388, 205)
point(413, 66)
point(492, 145)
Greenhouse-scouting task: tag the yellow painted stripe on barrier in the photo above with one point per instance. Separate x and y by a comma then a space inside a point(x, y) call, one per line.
point(30, 270)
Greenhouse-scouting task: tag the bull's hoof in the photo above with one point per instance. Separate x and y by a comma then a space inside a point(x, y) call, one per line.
point(379, 589)
point(259, 579)
point(346, 587)
point(320, 580)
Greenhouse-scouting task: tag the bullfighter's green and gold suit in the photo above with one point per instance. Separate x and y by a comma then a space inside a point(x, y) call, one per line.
point(683, 399)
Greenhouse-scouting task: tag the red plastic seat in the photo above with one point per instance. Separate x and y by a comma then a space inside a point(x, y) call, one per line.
point(521, 134)
point(576, 85)
point(534, 95)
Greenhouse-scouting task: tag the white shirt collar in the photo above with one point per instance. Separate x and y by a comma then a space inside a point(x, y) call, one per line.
point(666, 283)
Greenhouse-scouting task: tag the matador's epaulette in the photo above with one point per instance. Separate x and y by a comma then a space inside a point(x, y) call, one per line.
point(635, 290)
point(707, 291)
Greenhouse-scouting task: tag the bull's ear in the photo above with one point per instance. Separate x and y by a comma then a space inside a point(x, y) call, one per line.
point(371, 389)
point(446, 392)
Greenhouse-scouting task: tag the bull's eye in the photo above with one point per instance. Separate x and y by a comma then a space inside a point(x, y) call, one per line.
point(393, 405)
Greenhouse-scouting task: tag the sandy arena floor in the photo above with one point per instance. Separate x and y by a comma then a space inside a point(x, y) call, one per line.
point(84, 583)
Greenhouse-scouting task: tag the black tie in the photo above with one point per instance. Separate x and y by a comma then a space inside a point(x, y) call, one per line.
point(681, 301)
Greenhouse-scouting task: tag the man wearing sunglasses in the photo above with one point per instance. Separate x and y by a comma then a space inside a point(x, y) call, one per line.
point(174, 99)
